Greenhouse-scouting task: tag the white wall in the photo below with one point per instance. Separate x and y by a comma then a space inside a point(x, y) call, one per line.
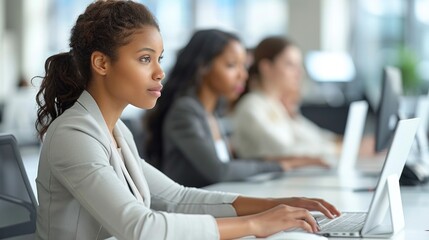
point(320, 25)
point(305, 23)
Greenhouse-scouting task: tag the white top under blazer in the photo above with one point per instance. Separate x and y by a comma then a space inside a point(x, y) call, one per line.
point(87, 191)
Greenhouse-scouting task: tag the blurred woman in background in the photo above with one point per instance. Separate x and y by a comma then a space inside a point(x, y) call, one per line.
point(274, 127)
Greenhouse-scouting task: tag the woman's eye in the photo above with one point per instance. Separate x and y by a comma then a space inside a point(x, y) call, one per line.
point(230, 65)
point(160, 59)
point(145, 59)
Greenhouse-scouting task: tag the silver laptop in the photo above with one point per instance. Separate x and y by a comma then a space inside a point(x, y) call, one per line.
point(386, 197)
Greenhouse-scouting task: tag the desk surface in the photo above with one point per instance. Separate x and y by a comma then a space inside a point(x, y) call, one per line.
point(340, 191)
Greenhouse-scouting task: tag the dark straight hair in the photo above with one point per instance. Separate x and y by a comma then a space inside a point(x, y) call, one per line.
point(104, 26)
point(203, 47)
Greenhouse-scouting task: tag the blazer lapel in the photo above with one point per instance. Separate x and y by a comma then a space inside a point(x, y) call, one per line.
point(135, 176)
point(115, 162)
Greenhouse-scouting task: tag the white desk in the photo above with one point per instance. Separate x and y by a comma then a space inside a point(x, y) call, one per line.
point(339, 191)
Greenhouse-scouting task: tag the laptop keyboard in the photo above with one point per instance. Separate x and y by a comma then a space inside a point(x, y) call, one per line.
point(347, 222)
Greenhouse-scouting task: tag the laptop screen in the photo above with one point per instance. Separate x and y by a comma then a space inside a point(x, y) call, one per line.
point(17, 202)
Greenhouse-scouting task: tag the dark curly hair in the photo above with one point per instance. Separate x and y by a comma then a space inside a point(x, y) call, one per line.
point(104, 26)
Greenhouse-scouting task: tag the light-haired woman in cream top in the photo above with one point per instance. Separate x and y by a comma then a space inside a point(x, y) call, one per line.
point(274, 126)
point(91, 182)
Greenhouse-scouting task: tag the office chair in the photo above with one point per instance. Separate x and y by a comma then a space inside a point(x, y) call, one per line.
point(17, 202)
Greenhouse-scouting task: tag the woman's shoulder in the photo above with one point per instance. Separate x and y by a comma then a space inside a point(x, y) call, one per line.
point(251, 100)
point(185, 110)
point(254, 96)
point(75, 122)
point(187, 104)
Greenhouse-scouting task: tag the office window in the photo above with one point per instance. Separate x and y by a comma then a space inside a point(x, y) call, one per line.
point(420, 38)
point(252, 20)
point(175, 21)
point(178, 19)
point(377, 33)
point(62, 16)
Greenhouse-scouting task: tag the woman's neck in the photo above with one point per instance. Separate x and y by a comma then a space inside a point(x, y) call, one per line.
point(208, 98)
point(270, 89)
point(110, 109)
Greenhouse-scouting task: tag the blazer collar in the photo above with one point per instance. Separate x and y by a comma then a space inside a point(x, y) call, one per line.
point(89, 103)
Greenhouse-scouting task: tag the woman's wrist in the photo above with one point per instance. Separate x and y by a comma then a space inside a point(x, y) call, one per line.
point(236, 227)
point(250, 224)
point(246, 206)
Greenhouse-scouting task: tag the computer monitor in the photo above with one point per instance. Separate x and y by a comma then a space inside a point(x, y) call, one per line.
point(388, 108)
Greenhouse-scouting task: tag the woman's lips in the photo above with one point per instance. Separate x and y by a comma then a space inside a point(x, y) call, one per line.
point(239, 89)
point(156, 91)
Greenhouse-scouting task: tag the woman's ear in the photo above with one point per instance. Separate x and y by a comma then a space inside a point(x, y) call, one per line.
point(204, 70)
point(264, 66)
point(99, 62)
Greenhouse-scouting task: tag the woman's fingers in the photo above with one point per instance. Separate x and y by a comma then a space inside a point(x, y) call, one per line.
point(307, 161)
point(315, 204)
point(283, 217)
point(324, 207)
point(305, 221)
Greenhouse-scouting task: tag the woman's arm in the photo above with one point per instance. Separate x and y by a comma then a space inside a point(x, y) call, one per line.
point(187, 129)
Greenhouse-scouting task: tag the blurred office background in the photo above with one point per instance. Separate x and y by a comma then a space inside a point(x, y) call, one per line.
point(345, 43)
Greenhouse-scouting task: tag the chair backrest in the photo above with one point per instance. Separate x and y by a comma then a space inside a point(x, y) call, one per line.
point(17, 202)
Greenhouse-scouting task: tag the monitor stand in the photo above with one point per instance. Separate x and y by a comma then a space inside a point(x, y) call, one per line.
point(389, 198)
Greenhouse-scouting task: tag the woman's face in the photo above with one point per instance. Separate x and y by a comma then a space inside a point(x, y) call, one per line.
point(227, 74)
point(286, 69)
point(135, 77)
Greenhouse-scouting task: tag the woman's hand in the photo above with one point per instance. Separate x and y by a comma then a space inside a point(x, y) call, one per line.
point(282, 217)
point(300, 162)
point(265, 216)
point(367, 147)
point(266, 223)
point(311, 204)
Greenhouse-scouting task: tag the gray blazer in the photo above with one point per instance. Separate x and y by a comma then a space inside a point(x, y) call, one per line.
point(86, 190)
point(189, 153)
